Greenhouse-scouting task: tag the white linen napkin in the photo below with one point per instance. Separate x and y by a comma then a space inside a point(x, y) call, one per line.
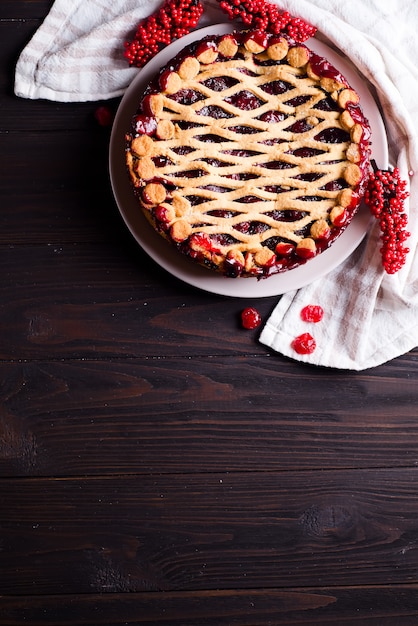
point(370, 317)
point(77, 53)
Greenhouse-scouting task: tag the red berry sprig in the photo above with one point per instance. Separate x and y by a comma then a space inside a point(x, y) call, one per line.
point(385, 196)
point(265, 16)
point(173, 20)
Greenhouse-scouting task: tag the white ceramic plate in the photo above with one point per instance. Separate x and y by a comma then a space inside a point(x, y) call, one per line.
point(181, 267)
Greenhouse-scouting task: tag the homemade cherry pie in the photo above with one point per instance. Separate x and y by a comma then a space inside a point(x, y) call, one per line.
point(250, 153)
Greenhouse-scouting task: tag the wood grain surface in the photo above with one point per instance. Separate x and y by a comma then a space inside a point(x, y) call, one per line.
point(158, 465)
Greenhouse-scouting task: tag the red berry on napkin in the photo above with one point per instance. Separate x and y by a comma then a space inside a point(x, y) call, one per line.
point(312, 313)
point(304, 344)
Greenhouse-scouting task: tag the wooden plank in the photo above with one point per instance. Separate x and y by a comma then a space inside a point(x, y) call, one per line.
point(73, 213)
point(112, 300)
point(39, 161)
point(107, 300)
point(216, 531)
point(22, 115)
point(345, 606)
point(56, 187)
point(171, 415)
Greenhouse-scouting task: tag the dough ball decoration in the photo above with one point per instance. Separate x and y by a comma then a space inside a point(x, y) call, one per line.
point(177, 18)
point(304, 344)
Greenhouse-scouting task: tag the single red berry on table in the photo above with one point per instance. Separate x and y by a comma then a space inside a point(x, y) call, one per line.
point(104, 116)
point(250, 318)
point(312, 313)
point(304, 344)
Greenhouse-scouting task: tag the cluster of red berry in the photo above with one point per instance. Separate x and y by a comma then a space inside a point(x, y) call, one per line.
point(176, 18)
point(173, 20)
point(385, 196)
point(265, 16)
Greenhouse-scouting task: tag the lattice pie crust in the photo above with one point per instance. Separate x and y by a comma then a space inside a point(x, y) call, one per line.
point(249, 153)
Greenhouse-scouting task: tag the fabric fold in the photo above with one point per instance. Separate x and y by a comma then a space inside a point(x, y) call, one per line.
point(77, 53)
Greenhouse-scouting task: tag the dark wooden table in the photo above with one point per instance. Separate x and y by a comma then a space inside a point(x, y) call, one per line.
point(158, 464)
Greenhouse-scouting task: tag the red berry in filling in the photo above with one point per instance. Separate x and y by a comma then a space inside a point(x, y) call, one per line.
point(304, 344)
point(145, 125)
point(160, 213)
point(170, 81)
point(312, 313)
point(207, 52)
point(250, 318)
point(201, 241)
point(284, 249)
point(232, 267)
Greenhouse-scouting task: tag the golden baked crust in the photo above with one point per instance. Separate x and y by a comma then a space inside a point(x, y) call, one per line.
point(249, 153)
